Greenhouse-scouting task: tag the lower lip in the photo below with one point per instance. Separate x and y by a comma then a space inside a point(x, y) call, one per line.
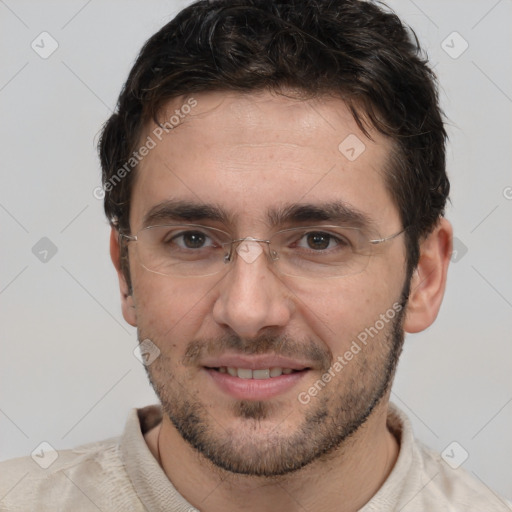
point(255, 389)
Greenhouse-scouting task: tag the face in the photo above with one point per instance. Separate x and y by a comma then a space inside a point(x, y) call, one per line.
point(310, 356)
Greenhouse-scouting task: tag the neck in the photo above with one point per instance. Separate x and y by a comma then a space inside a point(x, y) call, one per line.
point(344, 480)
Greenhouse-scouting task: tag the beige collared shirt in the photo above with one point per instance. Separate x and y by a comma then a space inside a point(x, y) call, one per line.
point(121, 474)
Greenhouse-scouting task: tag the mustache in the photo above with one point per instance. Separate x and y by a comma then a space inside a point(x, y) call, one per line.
point(281, 345)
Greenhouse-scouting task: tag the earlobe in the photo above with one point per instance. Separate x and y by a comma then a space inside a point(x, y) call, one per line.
point(429, 279)
point(127, 301)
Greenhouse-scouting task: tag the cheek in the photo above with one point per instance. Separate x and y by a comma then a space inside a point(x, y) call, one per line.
point(170, 309)
point(337, 312)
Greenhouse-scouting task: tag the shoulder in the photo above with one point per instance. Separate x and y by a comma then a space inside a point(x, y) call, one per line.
point(453, 486)
point(89, 477)
point(422, 480)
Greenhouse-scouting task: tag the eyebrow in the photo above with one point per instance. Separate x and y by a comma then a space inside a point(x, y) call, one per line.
point(172, 210)
point(338, 212)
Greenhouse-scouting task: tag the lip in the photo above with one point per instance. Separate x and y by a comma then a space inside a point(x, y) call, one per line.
point(254, 362)
point(255, 389)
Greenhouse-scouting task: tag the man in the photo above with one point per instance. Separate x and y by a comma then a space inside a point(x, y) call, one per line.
point(275, 179)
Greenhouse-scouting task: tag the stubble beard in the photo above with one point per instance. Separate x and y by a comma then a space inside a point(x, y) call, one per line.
point(259, 449)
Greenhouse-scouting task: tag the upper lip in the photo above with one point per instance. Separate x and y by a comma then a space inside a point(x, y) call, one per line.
point(255, 362)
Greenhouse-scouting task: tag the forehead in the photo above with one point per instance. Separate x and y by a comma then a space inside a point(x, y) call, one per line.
point(252, 154)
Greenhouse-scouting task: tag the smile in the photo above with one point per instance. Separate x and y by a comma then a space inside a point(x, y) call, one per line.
point(260, 374)
point(256, 383)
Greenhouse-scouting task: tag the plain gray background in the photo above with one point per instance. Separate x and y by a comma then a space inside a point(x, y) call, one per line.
point(68, 374)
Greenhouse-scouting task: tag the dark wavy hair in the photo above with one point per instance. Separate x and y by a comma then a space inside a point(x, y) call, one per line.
point(355, 50)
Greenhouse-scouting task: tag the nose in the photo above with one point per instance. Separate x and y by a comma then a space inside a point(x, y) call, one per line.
point(252, 298)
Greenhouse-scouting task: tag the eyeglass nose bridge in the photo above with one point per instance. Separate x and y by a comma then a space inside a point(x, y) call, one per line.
point(249, 249)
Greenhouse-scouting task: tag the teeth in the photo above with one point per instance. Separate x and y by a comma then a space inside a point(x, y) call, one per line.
point(244, 373)
point(247, 373)
point(276, 372)
point(260, 374)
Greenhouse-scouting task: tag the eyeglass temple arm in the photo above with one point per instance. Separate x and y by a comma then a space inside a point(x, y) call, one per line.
point(390, 237)
point(128, 237)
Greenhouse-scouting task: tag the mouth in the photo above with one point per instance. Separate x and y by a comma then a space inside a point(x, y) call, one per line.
point(258, 374)
point(253, 381)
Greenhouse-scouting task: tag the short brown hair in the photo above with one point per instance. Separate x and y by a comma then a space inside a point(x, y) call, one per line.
point(352, 49)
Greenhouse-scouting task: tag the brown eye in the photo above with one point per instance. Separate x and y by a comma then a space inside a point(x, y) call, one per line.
point(318, 241)
point(190, 240)
point(194, 240)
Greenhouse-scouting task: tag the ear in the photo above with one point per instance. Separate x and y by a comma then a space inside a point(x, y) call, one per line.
point(429, 279)
point(127, 303)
